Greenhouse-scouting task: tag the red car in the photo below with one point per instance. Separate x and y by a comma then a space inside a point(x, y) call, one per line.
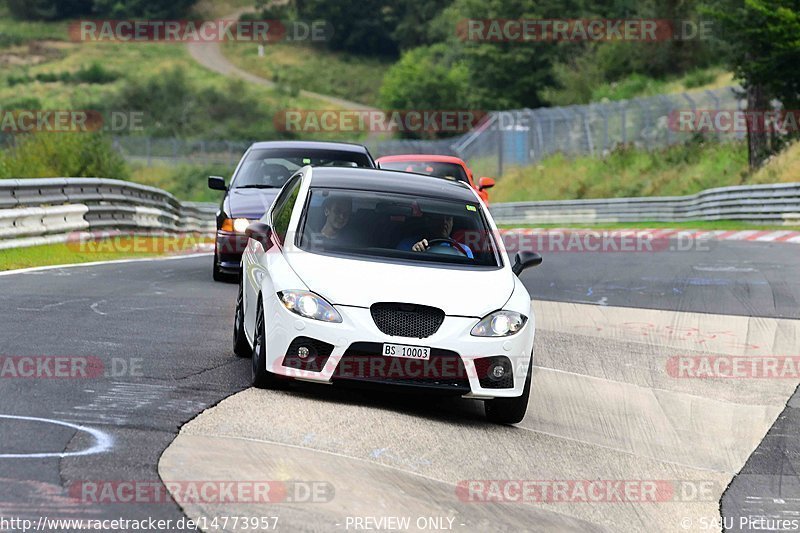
point(441, 166)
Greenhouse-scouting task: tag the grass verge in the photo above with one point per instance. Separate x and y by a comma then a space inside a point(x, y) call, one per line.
point(123, 247)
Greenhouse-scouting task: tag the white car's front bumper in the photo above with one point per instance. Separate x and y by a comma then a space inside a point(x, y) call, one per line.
point(358, 327)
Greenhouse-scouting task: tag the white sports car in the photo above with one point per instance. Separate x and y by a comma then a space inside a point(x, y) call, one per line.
point(386, 278)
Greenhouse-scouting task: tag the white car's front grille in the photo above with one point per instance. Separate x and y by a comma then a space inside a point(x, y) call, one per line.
point(407, 320)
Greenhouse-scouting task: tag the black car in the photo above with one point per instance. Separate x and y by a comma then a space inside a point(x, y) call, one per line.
point(258, 178)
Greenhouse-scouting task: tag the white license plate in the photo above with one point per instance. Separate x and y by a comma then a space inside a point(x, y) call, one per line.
point(409, 352)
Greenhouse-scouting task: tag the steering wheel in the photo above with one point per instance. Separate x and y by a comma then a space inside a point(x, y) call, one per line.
point(455, 245)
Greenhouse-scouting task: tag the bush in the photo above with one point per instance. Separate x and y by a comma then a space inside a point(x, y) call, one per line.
point(698, 78)
point(13, 80)
point(7, 40)
point(49, 77)
point(62, 9)
point(425, 78)
point(625, 89)
point(46, 155)
point(48, 9)
point(173, 106)
point(146, 9)
point(25, 102)
point(578, 80)
point(94, 74)
point(186, 182)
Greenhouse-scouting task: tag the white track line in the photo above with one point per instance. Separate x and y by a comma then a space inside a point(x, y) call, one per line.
point(103, 441)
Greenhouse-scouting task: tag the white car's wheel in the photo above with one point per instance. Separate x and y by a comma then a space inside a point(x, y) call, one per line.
point(510, 410)
point(261, 377)
point(240, 345)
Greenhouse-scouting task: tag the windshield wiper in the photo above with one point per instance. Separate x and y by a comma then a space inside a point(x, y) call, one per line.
point(257, 186)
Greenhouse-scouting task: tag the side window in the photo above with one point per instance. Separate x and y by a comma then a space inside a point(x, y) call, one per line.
point(282, 211)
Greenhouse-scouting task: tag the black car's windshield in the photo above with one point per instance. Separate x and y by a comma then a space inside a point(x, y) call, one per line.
point(396, 227)
point(272, 167)
point(451, 171)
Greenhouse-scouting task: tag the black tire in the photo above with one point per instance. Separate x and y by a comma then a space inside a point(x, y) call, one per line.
point(261, 377)
point(510, 410)
point(241, 348)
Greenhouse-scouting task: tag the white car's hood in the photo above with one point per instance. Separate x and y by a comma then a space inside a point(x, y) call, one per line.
point(362, 283)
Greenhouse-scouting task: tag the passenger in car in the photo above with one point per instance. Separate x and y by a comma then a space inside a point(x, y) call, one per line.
point(338, 211)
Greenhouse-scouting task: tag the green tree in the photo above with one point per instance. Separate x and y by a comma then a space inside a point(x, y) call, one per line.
point(359, 26)
point(366, 27)
point(61, 9)
point(498, 75)
point(593, 64)
point(49, 9)
point(412, 21)
point(427, 77)
point(439, 81)
point(764, 36)
point(148, 9)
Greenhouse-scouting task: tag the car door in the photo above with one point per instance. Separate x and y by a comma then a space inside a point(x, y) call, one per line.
point(256, 262)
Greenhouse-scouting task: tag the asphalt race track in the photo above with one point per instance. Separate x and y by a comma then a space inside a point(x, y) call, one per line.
point(604, 405)
point(166, 318)
point(721, 277)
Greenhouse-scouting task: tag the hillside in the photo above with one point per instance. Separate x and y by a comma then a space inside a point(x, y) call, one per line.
point(44, 69)
point(678, 170)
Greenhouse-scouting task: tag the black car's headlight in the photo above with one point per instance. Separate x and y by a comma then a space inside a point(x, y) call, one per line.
point(499, 324)
point(235, 225)
point(309, 305)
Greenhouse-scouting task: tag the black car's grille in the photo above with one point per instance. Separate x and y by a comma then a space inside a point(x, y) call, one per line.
point(407, 320)
point(443, 371)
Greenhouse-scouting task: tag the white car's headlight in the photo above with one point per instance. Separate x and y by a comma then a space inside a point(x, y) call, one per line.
point(499, 324)
point(309, 305)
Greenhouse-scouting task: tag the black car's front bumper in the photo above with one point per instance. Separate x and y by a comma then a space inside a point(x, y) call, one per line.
point(229, 249)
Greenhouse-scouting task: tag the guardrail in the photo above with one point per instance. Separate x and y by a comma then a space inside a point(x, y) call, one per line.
point(772, 204)
point(42, 211)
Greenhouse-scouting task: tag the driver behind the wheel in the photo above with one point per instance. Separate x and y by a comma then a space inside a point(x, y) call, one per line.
point(438, 227)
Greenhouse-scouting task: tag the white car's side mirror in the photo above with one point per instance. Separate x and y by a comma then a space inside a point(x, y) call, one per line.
point(525, 260)
point(258, 231)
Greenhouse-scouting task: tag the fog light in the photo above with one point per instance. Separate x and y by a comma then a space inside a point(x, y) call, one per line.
point(498, 371)
point(303, 352)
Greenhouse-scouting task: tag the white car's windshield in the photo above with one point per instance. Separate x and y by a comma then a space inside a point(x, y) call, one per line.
point(397, 227)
